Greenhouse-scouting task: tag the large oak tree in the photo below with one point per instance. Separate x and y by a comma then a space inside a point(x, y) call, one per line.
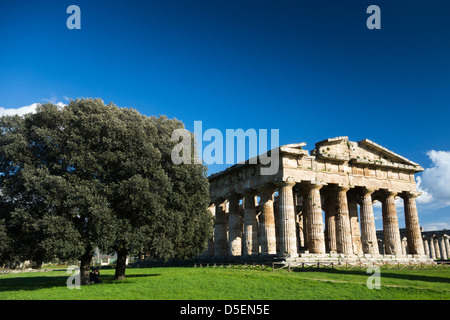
point(93, 175)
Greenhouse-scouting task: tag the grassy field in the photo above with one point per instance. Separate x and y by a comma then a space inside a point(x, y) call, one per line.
point(231, 284)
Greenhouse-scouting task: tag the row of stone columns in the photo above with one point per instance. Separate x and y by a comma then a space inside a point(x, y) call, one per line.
point(437, 247)
point(344, 233)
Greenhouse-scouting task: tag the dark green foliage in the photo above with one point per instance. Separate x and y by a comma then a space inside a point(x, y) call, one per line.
point(90, 175)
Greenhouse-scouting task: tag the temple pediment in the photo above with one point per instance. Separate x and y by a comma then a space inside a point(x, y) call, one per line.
point(364, 153)
point(383, 153)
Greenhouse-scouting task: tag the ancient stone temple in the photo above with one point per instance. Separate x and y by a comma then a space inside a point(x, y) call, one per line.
point(317, 204)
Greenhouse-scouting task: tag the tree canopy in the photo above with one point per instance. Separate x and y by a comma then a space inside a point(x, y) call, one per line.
point(92, 175)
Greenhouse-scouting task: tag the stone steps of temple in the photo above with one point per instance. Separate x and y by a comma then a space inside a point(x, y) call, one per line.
point(366, 258)
point(303, 258)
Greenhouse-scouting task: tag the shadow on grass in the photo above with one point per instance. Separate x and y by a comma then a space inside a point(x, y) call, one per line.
point(142, 275)
point(43, 282)
point(391, 274)
point(32, 283)
point(109, 279)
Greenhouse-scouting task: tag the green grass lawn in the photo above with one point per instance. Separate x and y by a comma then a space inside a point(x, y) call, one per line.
point(231, 284)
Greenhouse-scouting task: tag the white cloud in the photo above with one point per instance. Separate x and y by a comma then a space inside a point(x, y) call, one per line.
point(434, 183)
point(24, 110)
point(425, 197)
point(19, 111)
point(436, 226)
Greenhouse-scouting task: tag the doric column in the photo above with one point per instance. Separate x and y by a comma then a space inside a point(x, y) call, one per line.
point(330, 221)
point(369, 241)
point(436, 247)
point(413, 234)
point(447, 245)
point(442, 248)
point(343, 232)
point(220, 230)
point(276, 211)
point(432, 249)
point(305, 224)
point(298, 224)
point(210, 251)
point(392, 240)
point(354, 224)
point(404, 245)
point(234, 226)
point(288, 237)
point(267, 220)
point(313, 208)
point(301, 230)
point(381, 246)
point(426, 249)
point(250, 224)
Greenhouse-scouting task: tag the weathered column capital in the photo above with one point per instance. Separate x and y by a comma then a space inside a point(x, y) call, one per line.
point(389, 193)
point(266, 193)
point(312, 185)
point(286, 182)
point(267, 188)
point(249, 192)
point(367, 191)
point(342, 188)
point(234, 197)
point(219, 201)
point(410, 194)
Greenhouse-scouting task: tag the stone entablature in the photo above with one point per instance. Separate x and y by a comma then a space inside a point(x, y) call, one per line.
point(311, 203)
point(333, 161)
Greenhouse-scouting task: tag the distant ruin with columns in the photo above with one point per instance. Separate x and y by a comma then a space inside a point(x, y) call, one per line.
point(318, 205)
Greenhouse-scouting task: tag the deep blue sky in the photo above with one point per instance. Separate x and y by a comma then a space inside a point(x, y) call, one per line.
point(311, 69)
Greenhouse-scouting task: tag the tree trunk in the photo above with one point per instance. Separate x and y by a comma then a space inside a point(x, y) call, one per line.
point(84, 267)
point(121, 264)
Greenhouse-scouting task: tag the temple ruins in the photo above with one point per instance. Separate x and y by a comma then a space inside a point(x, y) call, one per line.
point(318, 205)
